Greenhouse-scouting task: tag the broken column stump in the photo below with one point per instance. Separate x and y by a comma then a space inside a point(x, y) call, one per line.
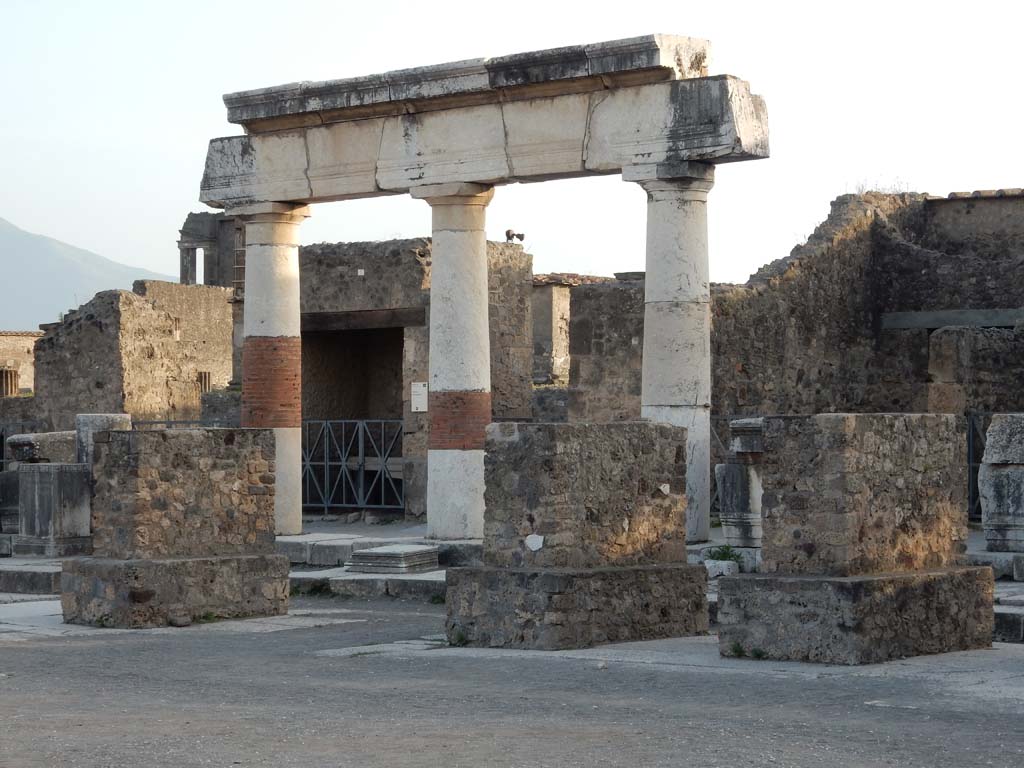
point(1001, 484)
point(584, 540)
point(865, 526)
point(183, 529)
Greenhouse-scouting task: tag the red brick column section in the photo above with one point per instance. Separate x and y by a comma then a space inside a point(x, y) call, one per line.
point(458, 420)
point(272, 381)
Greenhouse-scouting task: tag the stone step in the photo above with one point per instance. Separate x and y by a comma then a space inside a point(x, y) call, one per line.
point(332, 550)
point(6, 544)
point(1009, 624)
point(428, 586)
point(1005, 565)
point(30, 576)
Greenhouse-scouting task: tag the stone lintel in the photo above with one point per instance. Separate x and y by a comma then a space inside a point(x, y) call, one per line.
point(570, 69)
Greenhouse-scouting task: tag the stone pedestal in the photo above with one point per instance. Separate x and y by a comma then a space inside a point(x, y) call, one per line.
point(1001, 484)
point(459, 400)
point(183, 528)
point(53, 510)
point(584, 540)
point(864, 534)
point(855, 619)
point(739, 485)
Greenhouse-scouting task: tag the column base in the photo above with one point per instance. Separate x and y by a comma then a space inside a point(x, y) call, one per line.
point(139, 594)
point(555, 609)
point(855, 619)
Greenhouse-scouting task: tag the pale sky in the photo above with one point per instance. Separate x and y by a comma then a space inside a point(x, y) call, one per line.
point(107, 108)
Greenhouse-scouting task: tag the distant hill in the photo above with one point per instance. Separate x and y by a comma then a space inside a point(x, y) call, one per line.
point(41, 277)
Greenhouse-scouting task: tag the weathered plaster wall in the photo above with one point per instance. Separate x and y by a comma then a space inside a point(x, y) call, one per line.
point(17, 351)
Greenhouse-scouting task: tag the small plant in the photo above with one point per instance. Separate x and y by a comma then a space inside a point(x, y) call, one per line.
point(206, 618)
point(437, 599)
point(724, 552)
point(458, 639)
point(759, 653)
point(737, 649)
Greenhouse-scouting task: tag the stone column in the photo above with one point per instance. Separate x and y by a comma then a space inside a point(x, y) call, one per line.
point(188, 265)
point(272, 346)
point(459, 400)
point(676, 374)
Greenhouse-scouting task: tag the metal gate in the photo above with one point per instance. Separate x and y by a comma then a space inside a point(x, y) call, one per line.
point(977, 426)
point(352, 464)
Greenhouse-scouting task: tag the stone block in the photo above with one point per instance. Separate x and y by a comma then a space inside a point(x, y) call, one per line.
point(1009, 625)
point(584, 495)
point(183, 493)
point(851, 494)
point(54, 510)
point(719, 568)
point(6, 544)
point(140, 594)
point(88, 424)
point(855, 619)
point(1004, 440)
point(547, 609)
point(55, 447)
point(335, 552)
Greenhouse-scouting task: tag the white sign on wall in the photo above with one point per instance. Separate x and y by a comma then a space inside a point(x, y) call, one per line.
point(419, 397)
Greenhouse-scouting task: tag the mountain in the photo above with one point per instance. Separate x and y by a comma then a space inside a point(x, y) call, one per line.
point(41, 277)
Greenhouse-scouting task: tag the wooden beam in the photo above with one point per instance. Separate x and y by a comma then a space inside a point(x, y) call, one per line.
point(403, 317)
point(969, 318)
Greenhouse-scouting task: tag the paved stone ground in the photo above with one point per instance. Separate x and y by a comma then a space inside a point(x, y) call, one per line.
point(349, 683)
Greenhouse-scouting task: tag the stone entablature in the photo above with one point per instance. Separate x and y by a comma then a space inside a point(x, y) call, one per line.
point(570, 69)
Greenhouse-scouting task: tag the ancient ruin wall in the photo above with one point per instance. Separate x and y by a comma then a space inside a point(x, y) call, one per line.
point(78, 363)
point(17, 352)
point(606, 322)
point(974, 368)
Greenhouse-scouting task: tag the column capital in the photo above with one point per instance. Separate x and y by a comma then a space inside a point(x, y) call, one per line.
point(687, 177)
point(455, 193)
point(269, 212)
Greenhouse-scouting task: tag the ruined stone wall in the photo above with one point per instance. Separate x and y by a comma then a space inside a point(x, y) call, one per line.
point(606, 326)
point(222, 407)
point(17, 352)
point(804, 334)
point(138, 353)
point(510, 284)
point(550, 310)
point(973, 369)
point(78, 363)
point(847, 494)
point(183, 493)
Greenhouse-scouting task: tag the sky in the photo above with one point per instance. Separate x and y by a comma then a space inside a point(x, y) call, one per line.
point(107, 108)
